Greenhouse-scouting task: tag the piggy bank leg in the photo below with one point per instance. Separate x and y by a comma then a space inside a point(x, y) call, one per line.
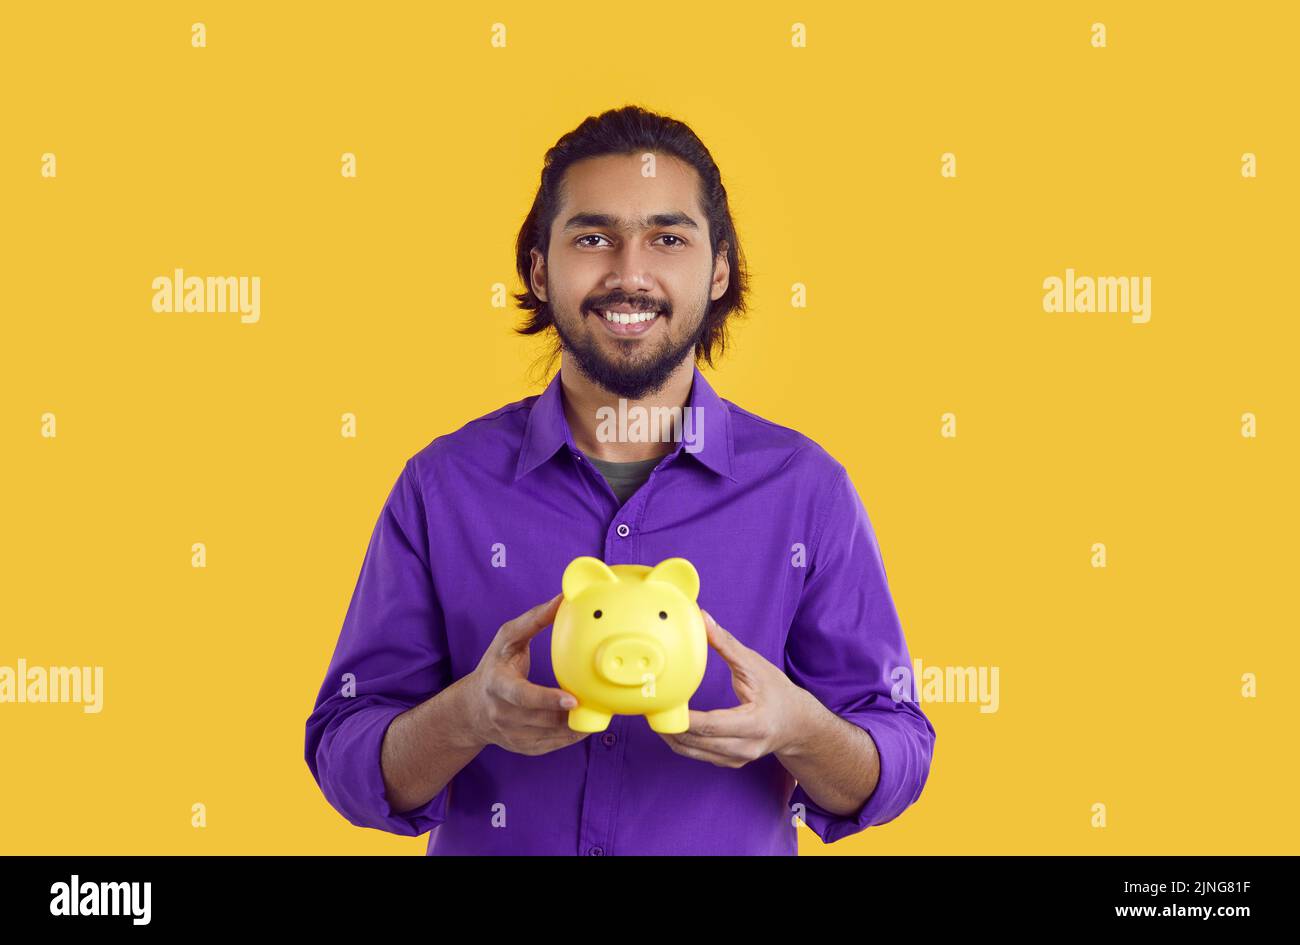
point(676, 719)
point(585, 719)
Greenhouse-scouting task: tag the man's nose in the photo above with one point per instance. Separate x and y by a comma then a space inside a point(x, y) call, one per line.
point(630, 270)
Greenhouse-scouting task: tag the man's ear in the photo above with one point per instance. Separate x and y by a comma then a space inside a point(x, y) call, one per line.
point(721, 271)
point(582, 573)
point(537, 274)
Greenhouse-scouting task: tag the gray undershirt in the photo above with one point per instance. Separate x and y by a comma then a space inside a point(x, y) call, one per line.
point(625, 478)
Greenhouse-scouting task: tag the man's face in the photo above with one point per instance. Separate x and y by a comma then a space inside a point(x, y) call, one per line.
point(624, 242)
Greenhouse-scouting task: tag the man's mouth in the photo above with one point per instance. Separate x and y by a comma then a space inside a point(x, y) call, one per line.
point(625, 321)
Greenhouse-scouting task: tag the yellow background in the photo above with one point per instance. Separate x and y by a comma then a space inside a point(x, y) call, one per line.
point(1119, 686)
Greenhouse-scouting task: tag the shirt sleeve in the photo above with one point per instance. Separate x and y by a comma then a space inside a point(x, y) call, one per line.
point(844, 642)
point(391, 655)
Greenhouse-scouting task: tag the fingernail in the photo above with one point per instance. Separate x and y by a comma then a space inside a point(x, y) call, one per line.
point(568, 702)
point(707, 616)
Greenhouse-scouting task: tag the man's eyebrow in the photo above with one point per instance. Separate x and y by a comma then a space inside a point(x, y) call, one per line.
point(669, 218)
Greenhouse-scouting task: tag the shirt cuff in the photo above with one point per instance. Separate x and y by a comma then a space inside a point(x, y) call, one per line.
point(352, 777)
point(904, 744)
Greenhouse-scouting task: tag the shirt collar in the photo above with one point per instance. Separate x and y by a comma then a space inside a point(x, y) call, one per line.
point(548, 429)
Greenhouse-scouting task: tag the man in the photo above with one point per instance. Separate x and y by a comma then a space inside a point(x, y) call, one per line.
point(440, 712)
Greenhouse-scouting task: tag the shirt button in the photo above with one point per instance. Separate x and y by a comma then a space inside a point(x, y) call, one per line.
point(596, 851)
point(609, 738)
point(623, 530)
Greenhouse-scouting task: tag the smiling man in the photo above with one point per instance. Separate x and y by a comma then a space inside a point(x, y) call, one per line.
point(440, 711)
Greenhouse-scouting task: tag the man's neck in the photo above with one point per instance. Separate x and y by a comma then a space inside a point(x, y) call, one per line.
point(583, 398)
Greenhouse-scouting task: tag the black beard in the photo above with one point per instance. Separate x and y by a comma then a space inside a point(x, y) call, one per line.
point(631, 379)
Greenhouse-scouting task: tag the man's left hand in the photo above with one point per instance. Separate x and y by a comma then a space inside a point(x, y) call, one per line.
point(772, 715)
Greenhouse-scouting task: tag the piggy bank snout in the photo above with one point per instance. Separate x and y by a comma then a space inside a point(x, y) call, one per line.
point(629, 660)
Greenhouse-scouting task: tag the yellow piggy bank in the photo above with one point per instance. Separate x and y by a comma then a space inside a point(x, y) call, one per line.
point(629, 639)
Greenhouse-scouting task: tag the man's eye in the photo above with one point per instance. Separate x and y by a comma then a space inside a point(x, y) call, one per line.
point(596, 236)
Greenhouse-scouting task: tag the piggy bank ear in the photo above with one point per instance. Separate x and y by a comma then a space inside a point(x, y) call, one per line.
point(678, 572)
point(582, 573)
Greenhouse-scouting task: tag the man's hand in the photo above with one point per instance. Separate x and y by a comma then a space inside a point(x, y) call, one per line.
point(772, 714)
point(504, 708)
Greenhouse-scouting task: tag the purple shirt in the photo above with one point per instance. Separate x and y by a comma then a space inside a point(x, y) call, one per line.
point(788, 563)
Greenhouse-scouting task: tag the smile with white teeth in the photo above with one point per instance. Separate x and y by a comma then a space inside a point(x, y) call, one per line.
point(628, 318)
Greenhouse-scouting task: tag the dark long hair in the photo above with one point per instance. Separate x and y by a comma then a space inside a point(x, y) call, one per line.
point(633, 130)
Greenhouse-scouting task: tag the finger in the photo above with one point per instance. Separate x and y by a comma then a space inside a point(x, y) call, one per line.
point(517, 632)
point(728, 647)
point(540, 720)
point(551, 739)
point(563, 741)
point(727, 746)
point(537, 723)
point(533, 746)
point(738, 722)
point(532, 725)
point(700, 754)
point(518, 691)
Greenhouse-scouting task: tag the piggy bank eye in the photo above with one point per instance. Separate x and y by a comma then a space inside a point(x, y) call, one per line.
point(596, 615)
point(662, 615)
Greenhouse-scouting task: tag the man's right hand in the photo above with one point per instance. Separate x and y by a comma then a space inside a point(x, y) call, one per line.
point(504, 708)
